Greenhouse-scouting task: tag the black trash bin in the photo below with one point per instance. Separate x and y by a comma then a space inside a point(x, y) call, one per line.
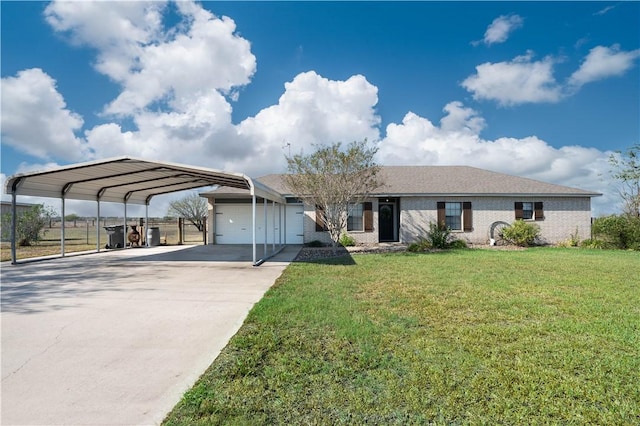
point(116, 236)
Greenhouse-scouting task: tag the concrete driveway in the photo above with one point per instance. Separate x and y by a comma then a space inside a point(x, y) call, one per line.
point(116, 338)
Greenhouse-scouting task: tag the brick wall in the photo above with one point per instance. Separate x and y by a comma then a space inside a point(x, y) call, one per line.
point(562, 216)
point(361, 237)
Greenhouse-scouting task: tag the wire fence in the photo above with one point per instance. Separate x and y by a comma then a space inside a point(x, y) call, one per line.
point(86, 231)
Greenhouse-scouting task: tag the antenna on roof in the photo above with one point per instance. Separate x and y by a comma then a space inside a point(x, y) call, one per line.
point(287, 145)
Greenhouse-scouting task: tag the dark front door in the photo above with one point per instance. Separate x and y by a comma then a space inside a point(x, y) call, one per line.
point(386, 222)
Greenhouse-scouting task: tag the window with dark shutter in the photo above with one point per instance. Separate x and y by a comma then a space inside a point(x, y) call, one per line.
point(441, 213)
point(518, 209)
point(450, 214)
point(539, 210)
point(528, 210)
point(467, 216)
point(320, 223)
point(355, 218)
point(368, 216)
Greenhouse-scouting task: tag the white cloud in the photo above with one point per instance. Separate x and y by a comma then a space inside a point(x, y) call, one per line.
point(35, 118)
point(175, 81)
point(200, 56)
point(501, 28)
point(604, 10)
point(457, 141)
point(176, 84)
point(519, 81)
point(118, 30)
point(313, 110)
point(523, 80)
point(603, 62)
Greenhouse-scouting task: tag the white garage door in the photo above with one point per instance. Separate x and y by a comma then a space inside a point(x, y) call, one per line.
point(295, 224)
point(234, 224)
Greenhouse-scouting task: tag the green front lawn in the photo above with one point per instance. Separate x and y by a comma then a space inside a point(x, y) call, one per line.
point(463, 337)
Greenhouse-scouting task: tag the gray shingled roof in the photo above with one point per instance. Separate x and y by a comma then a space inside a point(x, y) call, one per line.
point(444, 180)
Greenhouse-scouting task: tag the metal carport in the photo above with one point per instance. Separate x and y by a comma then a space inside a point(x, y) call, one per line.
point(127, 180)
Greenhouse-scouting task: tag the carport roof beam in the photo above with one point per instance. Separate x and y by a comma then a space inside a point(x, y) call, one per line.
point(112, 179)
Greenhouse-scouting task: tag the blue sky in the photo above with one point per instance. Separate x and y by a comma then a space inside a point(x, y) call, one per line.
point(545, 90)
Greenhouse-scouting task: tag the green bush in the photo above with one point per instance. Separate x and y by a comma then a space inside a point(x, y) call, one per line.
point(594, 244)
point(521, 233)
point(421, 245)
point(347, 240)
point(439, 235)
point(30, 225)
point(622, 232)
point(458, 244)
point(572, 241)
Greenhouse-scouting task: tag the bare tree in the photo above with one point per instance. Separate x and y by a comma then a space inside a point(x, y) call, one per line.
point(191, 207)
point(626, 169)
point(332, 178)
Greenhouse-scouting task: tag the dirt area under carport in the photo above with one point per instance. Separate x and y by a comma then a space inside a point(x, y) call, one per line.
point(117, 337)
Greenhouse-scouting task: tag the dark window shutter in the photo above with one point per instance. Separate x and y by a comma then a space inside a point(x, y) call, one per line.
point(539, 215)
point(320, 225)
point(442, 220)
point(467, 216)
point(518, 208)
point(367, 211)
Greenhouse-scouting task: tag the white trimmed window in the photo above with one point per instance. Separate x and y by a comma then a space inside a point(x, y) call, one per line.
point(355, 220)
point(453, 216)
point(527, 211)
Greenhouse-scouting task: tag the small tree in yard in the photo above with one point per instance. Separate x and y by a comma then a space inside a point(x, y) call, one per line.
point(332, 178)
point(191, 207)
point(626, 169)
point(29, 225)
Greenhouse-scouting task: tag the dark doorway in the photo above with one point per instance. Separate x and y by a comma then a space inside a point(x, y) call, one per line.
point(386, 222)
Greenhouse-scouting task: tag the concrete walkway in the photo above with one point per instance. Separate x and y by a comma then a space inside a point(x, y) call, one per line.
point(116, 338)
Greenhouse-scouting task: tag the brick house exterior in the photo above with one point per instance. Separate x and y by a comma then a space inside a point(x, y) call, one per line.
point(471, 201)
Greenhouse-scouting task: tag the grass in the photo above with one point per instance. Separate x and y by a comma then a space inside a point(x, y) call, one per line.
point(82, 237)
point(542, 336)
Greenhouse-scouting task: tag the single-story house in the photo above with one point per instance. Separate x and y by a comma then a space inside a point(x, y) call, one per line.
point(472, 202)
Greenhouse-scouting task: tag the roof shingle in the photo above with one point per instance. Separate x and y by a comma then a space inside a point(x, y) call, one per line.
point(444, 180)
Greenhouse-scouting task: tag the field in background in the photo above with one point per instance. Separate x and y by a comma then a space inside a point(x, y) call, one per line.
point(81, 235)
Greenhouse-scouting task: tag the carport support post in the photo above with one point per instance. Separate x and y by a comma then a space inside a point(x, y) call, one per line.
point(265, 225)
point(14, 224)
point(273, 220)
point(280, 207)
point(145, 228)
point(253, 227)
point(62, 228)
point(125, 225)
point(98, 226)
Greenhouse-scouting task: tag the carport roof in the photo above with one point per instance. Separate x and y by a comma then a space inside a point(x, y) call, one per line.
point(127, 179)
